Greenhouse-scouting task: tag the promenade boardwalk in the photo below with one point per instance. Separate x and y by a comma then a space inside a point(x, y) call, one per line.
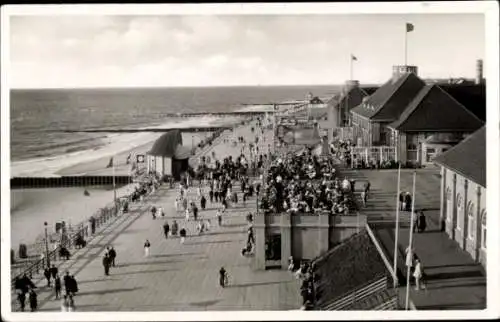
point(177, 277)
point(454, 280)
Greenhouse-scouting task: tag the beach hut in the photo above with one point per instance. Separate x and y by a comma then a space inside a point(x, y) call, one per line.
point(168, 157)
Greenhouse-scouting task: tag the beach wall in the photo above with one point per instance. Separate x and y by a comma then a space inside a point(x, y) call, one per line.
point(66, 181)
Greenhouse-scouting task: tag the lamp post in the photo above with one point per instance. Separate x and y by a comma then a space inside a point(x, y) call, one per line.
point(46, 245)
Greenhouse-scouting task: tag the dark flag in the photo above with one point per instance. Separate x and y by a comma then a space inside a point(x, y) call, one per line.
point(353, 57)
point(110, 164)
point(409, 27)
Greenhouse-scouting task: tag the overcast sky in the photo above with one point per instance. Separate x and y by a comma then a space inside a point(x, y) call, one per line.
point(117, 51)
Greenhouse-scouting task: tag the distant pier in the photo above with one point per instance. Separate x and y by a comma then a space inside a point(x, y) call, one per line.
point(161, 130)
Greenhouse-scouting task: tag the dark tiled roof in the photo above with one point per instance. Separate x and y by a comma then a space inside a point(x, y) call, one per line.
point(182, 153)
point(166, 145)
point(434, 110)
point(391, 98)
point(351, 99)
point(468, 158)
point(346, 267)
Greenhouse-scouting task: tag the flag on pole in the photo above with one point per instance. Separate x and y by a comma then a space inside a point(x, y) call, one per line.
point(110, 164)
point(409, 27)
point(353, 57)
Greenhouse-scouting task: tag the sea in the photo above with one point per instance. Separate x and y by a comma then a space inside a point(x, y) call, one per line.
point(39, 145)
point(38, 118)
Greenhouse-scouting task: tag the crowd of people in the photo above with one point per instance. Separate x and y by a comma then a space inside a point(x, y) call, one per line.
point(306, 183)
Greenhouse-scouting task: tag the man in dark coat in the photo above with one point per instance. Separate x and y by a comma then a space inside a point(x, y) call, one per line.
point(203, 202)
point(57, 286)
point(195, 212)
point(211, 195)
point(67, 283)
point(112, 256)
point(106, 263)
point(46, 273)
point(222, 277)
point(166, 229)
point(33, 300)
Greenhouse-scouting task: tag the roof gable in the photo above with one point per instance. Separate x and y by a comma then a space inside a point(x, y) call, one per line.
point(434, 110)
point(389, 101)
point(468, 158)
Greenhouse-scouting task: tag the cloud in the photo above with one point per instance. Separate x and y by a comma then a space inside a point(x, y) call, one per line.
point(196, 50)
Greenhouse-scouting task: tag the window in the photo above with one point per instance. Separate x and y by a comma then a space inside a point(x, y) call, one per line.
point(459, 201)
point(470, 215)
point(444, 150)
point(431, 150)
point(483, 229)
point(412, 146)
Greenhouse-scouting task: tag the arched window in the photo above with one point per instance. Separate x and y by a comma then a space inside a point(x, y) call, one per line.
point(483, 229)
point(471, 220)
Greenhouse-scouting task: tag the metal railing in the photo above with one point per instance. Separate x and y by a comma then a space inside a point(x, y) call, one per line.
point(342, 302)
point(102, 216)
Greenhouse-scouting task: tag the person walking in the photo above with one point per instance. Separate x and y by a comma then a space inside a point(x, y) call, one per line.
point(54, 271)
point(161, 212)
point(67, 283)
point(363, 197)
point(46, 273)
point(223, 280)
point(421, 223)
point(33, 298)
point(418, 274)
point(153, 212)
point(73, 285)
point(112, 256)
point(57, 286)
point(147, 246)
point(211, 195)
point(182, 233)
point(195, 212)
point(175, 228)
point(219, 217)
point(176, 204)
point(203, 202)
point(106, 263)
point(187, 214)
point(166, 229)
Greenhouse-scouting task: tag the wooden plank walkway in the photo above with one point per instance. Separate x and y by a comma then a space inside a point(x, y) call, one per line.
point(177, 277)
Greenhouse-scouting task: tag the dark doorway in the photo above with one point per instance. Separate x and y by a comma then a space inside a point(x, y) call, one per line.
point(273, 248)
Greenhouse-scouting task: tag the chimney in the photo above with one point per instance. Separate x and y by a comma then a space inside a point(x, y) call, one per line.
point(479, 71)
point(351, 84)
point(400, 70)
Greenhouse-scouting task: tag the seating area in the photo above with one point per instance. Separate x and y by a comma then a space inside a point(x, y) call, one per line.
point(306, 183)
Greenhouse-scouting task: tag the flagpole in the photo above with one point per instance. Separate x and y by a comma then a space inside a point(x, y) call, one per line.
point(410, 243)
point(406, 44)
point(397, 226)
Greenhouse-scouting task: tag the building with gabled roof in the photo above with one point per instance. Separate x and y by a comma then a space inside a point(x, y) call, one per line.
point(405, 112)
point(463, 194)
point(168, 157)
point(342, 103)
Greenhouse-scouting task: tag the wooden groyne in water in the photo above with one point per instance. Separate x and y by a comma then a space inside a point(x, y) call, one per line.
point(182, 129)
point(66, 181)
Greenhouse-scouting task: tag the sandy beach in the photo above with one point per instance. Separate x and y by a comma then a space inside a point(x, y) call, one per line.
point(30, 208)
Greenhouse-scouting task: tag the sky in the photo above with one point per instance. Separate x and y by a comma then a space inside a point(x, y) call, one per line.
point(231, 50)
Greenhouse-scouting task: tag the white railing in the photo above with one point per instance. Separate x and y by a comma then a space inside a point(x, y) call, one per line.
point(374, 286)
point(382, 254)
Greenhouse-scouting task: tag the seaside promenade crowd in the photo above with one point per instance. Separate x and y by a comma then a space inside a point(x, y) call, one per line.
point(303, 182)
point(307, 183)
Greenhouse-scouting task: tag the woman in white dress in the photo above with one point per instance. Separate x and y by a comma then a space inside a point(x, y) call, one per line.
point(409, 257)
point(187, 214)
point(147, 246)
point(418, 274)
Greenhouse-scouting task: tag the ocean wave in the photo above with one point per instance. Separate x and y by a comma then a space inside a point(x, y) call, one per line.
point(113, 143)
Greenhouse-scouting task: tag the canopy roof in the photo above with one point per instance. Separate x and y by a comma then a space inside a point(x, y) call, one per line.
point(166, 145)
